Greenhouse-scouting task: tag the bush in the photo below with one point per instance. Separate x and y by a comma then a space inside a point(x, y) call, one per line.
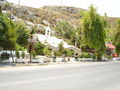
point(58, 53)
point(85, 55)
point(22, 34)
point(23, 54)
point(39, 48)
point(34, 54)
point(5, 56)
point(94, 56)
point(68, 52)
point(65, 52)
point(109, 57)
point(47, 51)
point(17, 54)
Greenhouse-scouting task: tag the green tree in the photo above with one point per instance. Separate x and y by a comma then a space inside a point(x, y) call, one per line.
point(34, 30)
point(39, 48)
point(47, 51)
point(23, 54)
point(108, 29)
point(22, 34)
point(66, 31)
point(61, 50)
point(116, 38)
point(5, 56)
point(109, 34)
point(17, 54)
point(7, 33)
point(33, 54)
point(68, 52)
point(61, 46)
point(94, 32)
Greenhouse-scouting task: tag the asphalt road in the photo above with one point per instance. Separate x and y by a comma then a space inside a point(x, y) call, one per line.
point(98, 76)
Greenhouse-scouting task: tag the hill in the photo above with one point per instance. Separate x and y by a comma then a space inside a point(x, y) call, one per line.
point(49, 13)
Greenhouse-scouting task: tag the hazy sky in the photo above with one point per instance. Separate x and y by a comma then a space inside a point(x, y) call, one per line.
point(111, 7)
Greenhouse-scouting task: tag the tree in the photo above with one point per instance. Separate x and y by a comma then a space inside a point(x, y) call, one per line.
point(17, 54)
point(116, 38)
point(22, 34)
point(34, 30)
point(39, 48)
point(23, 54)
point(109, 34)
point(7, 33)
point(61, 46)
point(93, 31)
point(108, 29)
point(47, 51)
point(61, 51)
point(33, 54)
point(68, 52)
point(5, 56)
point(66, 31)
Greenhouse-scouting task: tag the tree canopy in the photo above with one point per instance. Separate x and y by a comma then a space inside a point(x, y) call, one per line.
point(93, 30)
point(116, 38)
point(7, 33)
point(66, 31)
point(22, 34)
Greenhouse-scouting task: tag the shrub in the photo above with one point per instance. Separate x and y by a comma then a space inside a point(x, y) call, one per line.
point(94, 56)
point(39, 48)
point(17, 54)
point(23, 54)
point(47, 51)
point(68, 52)
point(85, 55)
point(34, 54)
point(58, 53)
point(5, 56)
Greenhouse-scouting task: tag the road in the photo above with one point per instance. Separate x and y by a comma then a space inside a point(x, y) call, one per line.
point(98, 76)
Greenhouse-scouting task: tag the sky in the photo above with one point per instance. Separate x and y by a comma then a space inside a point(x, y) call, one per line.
point(111, 7)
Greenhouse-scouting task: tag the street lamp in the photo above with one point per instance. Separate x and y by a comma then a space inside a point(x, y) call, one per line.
point(31, 42)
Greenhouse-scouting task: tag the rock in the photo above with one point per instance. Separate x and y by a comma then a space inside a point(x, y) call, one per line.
point(29, 23)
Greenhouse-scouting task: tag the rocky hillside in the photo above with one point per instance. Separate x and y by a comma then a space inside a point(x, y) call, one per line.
point(49, 13)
